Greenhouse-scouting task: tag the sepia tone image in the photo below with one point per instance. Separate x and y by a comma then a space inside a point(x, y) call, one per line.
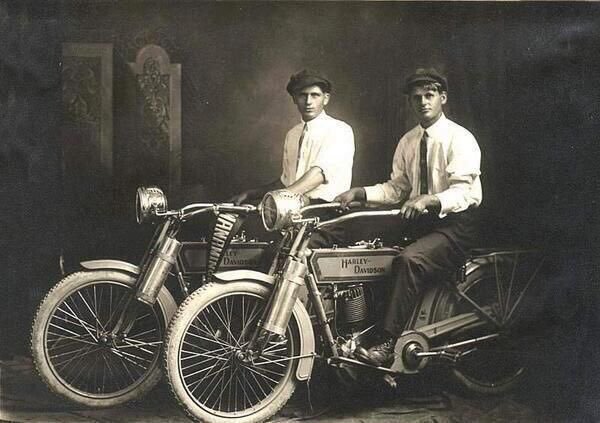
point(299, 211)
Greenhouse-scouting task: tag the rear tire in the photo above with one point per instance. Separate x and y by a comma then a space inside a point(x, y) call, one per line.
point(496, 365)
point(73, 360)
point(204, 370)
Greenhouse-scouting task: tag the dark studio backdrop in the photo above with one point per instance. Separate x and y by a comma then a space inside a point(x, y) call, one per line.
point(523, 77)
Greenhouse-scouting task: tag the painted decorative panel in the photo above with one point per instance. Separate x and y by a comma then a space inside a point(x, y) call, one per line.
point(158, 132)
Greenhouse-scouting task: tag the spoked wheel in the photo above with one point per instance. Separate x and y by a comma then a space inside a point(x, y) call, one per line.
point(502, 287)
point(75, 351)
point(209, 371)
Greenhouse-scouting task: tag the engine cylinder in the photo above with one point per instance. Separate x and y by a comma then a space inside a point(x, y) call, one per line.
point(354, 305)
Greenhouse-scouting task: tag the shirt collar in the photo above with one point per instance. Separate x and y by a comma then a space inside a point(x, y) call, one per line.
point(434, 129)
point(322, 116)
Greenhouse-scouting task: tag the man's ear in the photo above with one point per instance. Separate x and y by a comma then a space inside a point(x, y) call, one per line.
point(294, 99)
point(444, 97)
point(326, 98)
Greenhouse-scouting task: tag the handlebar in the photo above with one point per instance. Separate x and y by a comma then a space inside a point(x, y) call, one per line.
point(332, 205)
point(358, 214)
point(195, 209)
point(349, 216)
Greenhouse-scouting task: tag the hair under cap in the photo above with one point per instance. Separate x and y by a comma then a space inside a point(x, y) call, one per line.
point(306, 78)
point(425, 75)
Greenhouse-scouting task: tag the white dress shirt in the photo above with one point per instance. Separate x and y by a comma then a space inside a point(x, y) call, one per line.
point(453, 161)
point(327, 144)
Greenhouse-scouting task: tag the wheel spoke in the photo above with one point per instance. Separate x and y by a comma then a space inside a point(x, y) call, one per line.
point(215, 340)
point(227, 328)
point(510, 285)
point(500, 290)
point(524, 290)
point(83, 324)
point(259, 372)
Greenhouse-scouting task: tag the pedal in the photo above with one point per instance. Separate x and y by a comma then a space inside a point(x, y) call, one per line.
point(390, 381)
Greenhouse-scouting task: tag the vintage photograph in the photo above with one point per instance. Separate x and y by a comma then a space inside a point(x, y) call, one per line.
point(329, 211)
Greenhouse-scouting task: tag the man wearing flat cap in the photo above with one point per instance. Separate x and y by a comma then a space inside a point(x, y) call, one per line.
point(318, 152)
point(435, 178)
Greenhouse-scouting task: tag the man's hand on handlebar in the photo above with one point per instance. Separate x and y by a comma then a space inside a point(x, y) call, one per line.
point(419, 206)
point(353, 194)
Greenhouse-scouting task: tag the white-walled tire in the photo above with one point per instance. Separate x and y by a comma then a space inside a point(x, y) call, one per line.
point(204, 370)
point(72, 352)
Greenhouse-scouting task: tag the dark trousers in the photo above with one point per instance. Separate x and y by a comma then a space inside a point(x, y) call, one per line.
point(441, 246)
point(327, 237)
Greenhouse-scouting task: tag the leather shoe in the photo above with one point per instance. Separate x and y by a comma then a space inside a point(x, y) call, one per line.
point(381, 355)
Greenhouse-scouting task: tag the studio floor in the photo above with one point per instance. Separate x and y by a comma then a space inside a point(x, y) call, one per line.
point(24, 398)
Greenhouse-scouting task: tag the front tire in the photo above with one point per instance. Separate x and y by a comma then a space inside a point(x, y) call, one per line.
point(73, 351)
point(203, 356)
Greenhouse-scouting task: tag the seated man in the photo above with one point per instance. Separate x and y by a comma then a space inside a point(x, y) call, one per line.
point(435, 175)
point(317, 154)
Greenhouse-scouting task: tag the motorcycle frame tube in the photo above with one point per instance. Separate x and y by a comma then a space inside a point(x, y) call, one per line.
point(307, 335)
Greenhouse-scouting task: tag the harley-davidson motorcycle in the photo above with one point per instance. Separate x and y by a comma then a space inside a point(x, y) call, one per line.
point(97, 335)
point(238, 346)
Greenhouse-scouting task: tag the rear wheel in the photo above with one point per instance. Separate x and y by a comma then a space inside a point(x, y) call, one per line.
point(205, 363)
point(501, 286)
point(75, 352)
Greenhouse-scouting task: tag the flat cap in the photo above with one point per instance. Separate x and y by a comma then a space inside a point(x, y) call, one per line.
point(422, 75)
point(306, 78)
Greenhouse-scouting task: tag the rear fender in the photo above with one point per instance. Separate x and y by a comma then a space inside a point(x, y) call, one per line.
point(307, 335)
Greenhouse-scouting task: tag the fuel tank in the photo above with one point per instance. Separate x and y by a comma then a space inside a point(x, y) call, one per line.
point(352, 264)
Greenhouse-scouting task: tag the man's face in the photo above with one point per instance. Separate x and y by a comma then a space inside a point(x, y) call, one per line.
point(310, 101)
point(427, 104)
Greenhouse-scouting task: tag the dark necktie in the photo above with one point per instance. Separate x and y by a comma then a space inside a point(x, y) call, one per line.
point(423, 165)
point(304, 131)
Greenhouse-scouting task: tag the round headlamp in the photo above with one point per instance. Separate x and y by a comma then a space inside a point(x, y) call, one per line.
point(148, 201)
point(278, 207)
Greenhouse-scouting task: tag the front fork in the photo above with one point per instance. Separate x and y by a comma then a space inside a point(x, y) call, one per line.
point(150, 282)
point(277, 313)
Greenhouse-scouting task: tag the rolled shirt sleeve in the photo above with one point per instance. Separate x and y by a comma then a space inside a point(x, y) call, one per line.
point(462, 175)
point(335, 157)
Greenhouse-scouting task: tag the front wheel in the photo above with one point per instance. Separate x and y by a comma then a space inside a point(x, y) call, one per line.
point(205, 363)
point(73, 347)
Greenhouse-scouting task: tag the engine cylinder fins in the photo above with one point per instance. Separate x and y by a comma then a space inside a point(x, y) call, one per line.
point(354, 305)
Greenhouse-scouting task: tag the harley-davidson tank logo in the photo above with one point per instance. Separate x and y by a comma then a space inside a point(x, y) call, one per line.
point(241, 258)
point(352, 266)
point(361, 265)
point(236, 256)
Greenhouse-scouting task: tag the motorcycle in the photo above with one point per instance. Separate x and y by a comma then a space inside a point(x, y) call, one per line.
point(239, 345)
point(97, 335)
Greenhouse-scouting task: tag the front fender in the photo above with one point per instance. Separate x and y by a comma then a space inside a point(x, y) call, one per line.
point(243, 274)
point(110, 264)
point(307, 335)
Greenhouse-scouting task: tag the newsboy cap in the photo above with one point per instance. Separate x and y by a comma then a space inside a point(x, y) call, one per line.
point(425, 75)
point(306, 78)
